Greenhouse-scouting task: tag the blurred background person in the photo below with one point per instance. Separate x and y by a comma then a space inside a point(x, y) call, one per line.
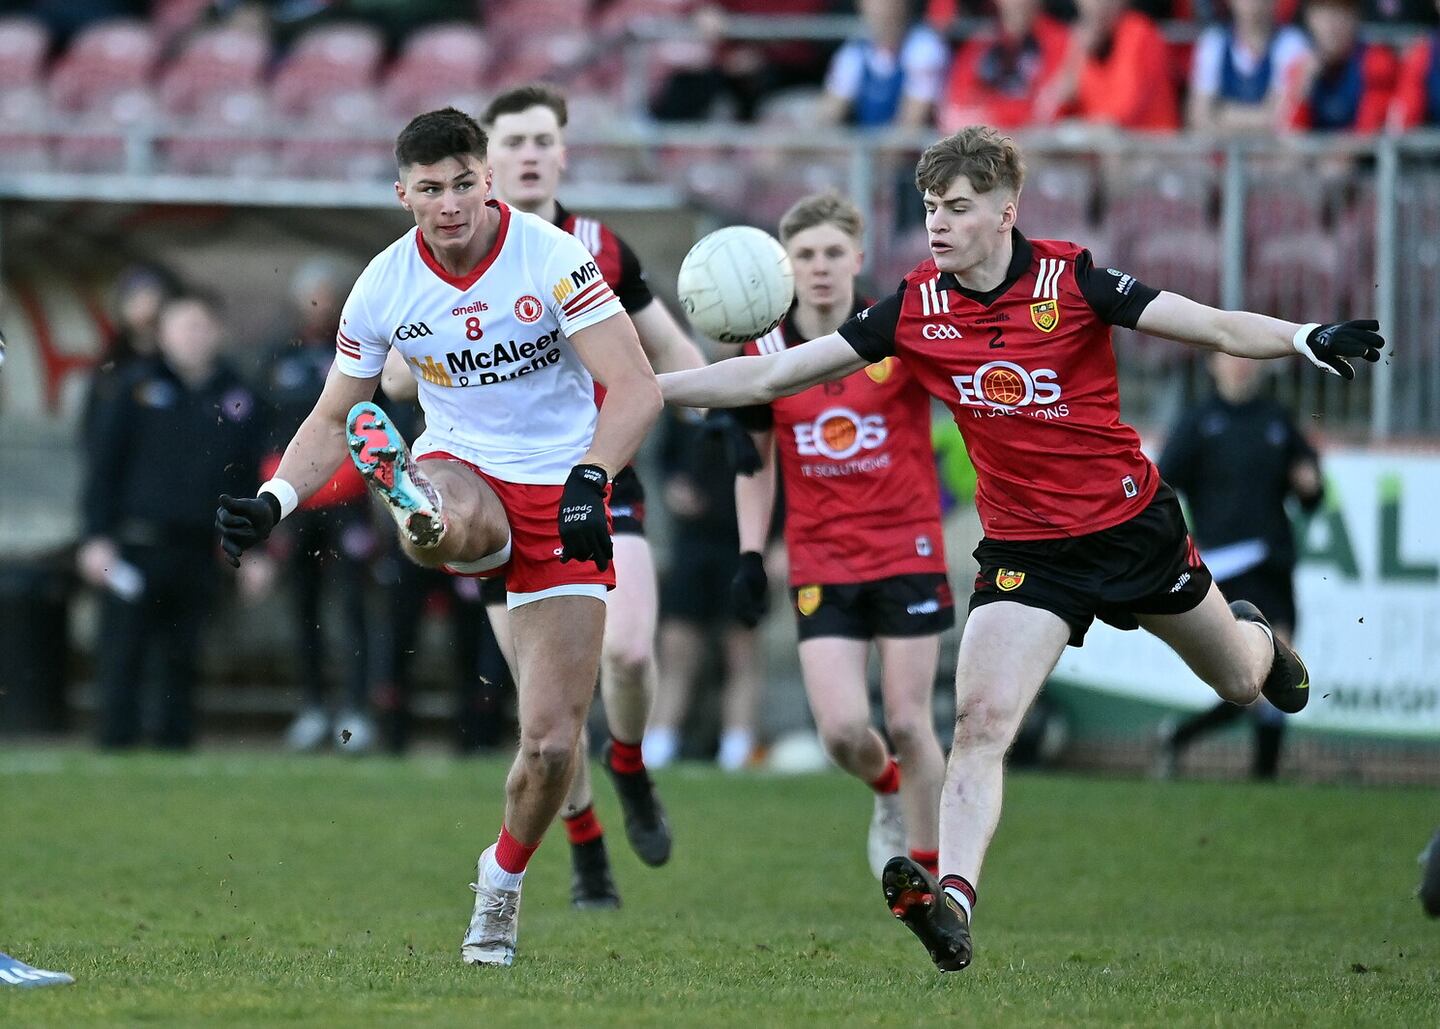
point(180, 428)
point(140, 291)
point(697, 618)
point(1346, 83)
point(1116, 73)
point(1236, 459)
point(741, 72)
point(890, 75)
point(1238, 72)
point(997, 74)
point(326, 547)
point(1417, 89)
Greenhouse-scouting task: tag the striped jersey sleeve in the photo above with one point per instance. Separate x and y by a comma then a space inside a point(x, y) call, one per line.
point(360, 345)
point(577, 293)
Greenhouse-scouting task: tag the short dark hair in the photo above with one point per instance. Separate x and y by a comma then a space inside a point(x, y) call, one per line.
point(436, 135)
point(204, 298)
point(522, 98)
point(979, 153)
point(828, 208)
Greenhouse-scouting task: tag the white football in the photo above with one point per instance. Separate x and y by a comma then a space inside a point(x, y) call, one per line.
point(736, 284)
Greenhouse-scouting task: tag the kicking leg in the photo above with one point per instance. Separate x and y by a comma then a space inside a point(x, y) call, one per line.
point(1230, 653)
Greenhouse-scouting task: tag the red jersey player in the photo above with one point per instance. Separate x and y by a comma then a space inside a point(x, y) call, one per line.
point(507, 323)
point(1013, 335)
point(862, 529)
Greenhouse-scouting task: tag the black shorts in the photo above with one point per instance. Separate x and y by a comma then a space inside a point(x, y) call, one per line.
point(696, 588)
point(1145, 566)
point(627, 503)
point(1269, 587)
point(918, 604)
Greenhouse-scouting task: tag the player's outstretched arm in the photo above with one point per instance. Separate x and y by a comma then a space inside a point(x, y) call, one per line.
point(1328, 346)
point(309, 461)
point(742, 381)
point(665, 343)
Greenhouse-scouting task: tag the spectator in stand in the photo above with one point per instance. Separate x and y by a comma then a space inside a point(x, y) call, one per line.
point(891, 75)
point(1417, 93)
point(329, 542)
point(140, 293)
point(1346, 84)
point(1117, 73)
point(1239, 71)
point(746, 71)
point(149, 539)
point(997, 74)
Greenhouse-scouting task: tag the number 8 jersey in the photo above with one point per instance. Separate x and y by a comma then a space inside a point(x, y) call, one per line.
point(500, 384)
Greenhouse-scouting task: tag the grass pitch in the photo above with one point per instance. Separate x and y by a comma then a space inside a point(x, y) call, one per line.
point(245, 890)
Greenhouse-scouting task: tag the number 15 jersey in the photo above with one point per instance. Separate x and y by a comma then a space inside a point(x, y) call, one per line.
point(500, 384)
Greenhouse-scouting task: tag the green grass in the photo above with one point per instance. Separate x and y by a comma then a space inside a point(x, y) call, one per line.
point(247, 890)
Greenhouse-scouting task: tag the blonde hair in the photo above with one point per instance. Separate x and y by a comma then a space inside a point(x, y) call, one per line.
point(828, 208)
point(977, 152)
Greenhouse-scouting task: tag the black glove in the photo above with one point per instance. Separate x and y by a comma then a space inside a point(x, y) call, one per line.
point(740, 450)
point(1328, 346)
point(244, 523)
point(584, 528)
point(750, 590)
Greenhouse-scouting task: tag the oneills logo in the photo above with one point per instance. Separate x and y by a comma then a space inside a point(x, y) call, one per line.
point(1045, 314)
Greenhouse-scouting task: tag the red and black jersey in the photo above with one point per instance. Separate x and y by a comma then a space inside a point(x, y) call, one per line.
point(862, 501)
point(1028, 371)
point(613, 256)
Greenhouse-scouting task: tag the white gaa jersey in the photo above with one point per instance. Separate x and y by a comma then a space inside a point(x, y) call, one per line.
point(500, 384)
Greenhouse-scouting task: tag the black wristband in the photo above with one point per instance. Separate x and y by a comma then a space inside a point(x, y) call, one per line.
point(592, 475)
point(275, 510)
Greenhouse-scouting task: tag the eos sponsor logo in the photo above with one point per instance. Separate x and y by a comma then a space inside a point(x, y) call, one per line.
point(474, 308)
point(529, 309)
point(840, 433)
point(931, 331)
point(1006, 386)
point(415, 330)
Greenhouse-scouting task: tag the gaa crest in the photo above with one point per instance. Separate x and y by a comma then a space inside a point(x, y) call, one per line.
point(1045, 314)
point(1007, 580)
point(807, 600)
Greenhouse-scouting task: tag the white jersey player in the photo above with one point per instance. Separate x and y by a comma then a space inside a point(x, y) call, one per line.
point(508, 324)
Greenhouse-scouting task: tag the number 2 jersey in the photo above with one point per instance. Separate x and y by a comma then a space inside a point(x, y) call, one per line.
point(862, 499)
point(500, 384)
point(1028, 371)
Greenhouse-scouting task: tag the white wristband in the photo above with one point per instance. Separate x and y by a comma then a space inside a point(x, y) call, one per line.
point(284, 493)
point(1298, 340)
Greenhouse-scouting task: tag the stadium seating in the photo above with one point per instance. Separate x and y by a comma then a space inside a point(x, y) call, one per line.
point(438, 65)
point(24, 45)
point(1186, 260)
point(214, 61)
point(24, 107)
point(325, 61)
point(102, 86)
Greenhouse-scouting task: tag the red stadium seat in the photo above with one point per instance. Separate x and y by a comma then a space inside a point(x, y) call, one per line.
point(108, 122)
point(24, 130)
point(230, 134)
point(328, 60)
point(105, 59)
point(512, 19)
point(1184, 260)
point(438, 65)
point(1295, 275)
point(1056, 201)
point(24, 45)
point(346, 136)
point(216, 61)
point(1170, 198)
point(550, 56)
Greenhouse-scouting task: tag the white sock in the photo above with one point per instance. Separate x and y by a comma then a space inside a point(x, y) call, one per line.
point(496, 876)
point(959, 898)
point(736, 746)
point(660, 746)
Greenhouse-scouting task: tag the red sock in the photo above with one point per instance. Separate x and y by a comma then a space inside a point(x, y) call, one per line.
point(583, 826)
point(511, 855)
point(960, 883)
point(625, 757)
point(927, 859)
point(889, 781)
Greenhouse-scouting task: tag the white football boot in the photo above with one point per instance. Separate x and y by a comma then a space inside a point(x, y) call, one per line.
point(887, 832)
point(495, 925)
